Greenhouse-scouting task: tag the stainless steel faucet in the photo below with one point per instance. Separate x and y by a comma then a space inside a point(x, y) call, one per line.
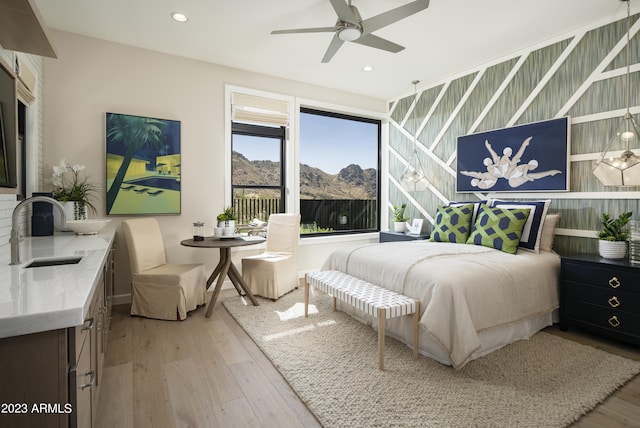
point(15, 228)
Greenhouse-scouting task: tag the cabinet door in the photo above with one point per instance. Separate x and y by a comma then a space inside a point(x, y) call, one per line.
point(97, 351)
point(82, 379)
point(98, 342)
point(83, 361)
point(33, 370)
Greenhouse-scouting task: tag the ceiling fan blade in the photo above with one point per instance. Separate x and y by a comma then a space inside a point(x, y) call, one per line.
point(344, 12)
point(394, 15)
point(306, 30)
point(335, 44)
point(378, 43)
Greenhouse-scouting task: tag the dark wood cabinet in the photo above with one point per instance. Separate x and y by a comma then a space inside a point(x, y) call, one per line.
point(398, 236)
point(601, 295)
point(52, 378)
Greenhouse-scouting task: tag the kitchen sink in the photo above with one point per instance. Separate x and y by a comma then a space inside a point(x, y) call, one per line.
point(57, 261)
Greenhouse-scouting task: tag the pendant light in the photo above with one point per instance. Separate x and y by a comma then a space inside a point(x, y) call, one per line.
point(624, 169)
point(413, 178)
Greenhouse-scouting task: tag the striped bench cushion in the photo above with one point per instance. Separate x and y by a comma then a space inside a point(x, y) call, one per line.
point(362, 294)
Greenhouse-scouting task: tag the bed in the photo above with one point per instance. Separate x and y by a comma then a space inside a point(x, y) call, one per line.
point(473, 299)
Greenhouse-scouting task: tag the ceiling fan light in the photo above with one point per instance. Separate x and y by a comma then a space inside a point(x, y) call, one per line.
point(349, 33)
point(180, 17)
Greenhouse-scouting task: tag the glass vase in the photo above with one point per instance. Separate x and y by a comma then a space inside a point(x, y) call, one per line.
point(634, 241)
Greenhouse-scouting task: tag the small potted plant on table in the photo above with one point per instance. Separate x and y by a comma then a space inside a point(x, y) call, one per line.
point(613, 236)
point(227, 218)
point(399, 218)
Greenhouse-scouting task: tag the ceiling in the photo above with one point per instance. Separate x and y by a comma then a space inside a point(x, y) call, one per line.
point(447, 38)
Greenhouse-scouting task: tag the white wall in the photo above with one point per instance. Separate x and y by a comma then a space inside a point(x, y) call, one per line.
point(91, 77)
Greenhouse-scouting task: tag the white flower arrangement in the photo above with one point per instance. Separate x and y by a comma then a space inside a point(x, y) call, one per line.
point(69, 186)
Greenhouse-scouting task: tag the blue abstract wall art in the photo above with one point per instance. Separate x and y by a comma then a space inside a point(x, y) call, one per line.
point(527, 158)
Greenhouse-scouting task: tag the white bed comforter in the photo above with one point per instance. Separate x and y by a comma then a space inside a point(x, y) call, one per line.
point(462, 289)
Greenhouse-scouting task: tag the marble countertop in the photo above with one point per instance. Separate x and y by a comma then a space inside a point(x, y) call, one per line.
point(51, 297)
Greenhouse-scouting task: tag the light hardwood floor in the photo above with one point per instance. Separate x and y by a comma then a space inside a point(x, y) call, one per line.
point(206, 372)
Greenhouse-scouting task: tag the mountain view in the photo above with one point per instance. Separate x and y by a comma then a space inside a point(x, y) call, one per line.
point(351, 182)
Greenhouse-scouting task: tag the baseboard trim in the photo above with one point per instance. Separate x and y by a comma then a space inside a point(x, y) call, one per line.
point(121, 299)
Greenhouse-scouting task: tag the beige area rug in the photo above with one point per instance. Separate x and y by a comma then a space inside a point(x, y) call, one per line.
point(331, 361)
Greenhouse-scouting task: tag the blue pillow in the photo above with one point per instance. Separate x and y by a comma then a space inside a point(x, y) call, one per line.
point(532, 232)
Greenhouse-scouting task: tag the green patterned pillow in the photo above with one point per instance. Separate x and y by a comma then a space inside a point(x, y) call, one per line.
point(499, 228)
point(452, 224)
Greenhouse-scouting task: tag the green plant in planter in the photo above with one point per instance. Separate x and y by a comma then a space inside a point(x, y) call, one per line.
point(226, 215)
point(398, 214)
point(613, 228)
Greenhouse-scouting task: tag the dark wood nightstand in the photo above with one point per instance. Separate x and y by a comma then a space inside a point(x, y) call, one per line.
point(399, 236)
point(601, 295)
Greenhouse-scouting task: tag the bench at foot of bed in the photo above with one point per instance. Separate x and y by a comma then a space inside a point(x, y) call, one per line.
point(372, 299)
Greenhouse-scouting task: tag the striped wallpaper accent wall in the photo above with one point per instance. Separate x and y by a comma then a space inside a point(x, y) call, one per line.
point(581, 75)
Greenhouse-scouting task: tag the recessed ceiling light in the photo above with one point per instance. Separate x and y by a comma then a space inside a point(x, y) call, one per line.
point(180, 17)
point(367, 68)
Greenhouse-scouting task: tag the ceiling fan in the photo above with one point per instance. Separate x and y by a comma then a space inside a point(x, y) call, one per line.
point(350, 27)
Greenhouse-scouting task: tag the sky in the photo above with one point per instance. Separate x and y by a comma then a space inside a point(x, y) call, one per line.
point(325, 142)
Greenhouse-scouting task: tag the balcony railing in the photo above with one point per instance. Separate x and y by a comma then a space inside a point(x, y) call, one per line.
point(323, 214)
point(250, 208)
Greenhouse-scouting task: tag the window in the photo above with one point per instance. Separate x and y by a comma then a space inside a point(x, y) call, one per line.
point(339, 173)
point(291, 155)
point(257, 170)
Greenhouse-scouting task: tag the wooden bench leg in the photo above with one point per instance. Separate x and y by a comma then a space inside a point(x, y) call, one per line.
point(306, 296)
point(381, 318)
point(416, 330)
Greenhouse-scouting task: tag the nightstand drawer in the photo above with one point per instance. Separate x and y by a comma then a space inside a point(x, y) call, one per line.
point(603, 276)
point(609, 298)
point(599, 316)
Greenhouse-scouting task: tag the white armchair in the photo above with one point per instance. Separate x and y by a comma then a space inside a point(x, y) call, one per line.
point(158, 289)
point(275, 272)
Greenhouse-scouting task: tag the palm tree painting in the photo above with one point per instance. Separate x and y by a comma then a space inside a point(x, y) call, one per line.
point(143, 165)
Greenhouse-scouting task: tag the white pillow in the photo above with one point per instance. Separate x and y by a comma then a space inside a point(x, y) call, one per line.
point(476, 205)
point(548, 231)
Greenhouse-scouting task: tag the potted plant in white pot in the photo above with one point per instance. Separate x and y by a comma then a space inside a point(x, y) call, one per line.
point(227, 218)
point(73, 188)
point(399, 218)
point(343, 215)
point(613, 236)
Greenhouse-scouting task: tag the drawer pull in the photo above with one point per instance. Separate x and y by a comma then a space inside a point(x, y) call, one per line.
point(614, 302)
point(614, 322)
point(614, 283)
point(92, 379)
point(88, 324)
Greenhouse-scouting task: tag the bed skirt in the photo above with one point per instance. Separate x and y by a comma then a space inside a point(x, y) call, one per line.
point(491, 339)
